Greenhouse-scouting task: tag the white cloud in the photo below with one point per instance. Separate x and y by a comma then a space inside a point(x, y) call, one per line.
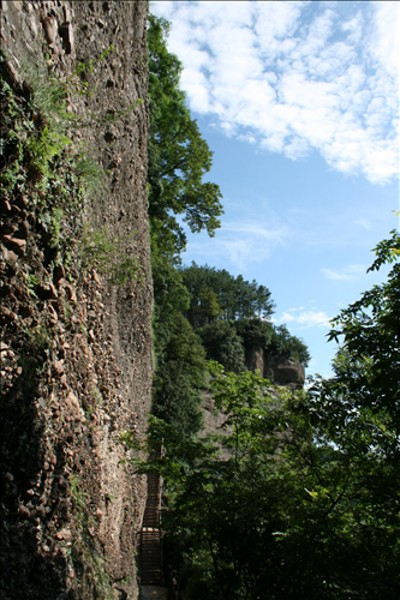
point(305, 318)
point(385, 42)
point(239, 244)
point(346, 274)
point(296, 76)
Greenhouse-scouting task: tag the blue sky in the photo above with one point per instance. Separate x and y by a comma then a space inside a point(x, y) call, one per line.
point(299, 102)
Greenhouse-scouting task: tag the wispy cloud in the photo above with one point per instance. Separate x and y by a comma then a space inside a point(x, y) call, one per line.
point(240, 243)
point(305, 318)
point(364, 224)
point(296, 76)
point(347, 273)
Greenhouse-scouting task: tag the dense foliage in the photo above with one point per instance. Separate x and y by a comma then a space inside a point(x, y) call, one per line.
point(178, 156)
point(300, 496)
point(179, 377)
point(231, 315)
point(178, 160)
point(215, 294)
point(368, 367)
point(223, 345)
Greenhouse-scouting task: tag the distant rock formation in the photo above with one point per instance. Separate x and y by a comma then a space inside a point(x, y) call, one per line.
point(278, 369)
point(284, 371)
point(255, 360)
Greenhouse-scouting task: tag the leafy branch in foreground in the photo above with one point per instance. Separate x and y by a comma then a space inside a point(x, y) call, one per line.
point(368, 364)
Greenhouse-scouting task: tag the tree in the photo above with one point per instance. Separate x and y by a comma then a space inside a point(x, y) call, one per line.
point(178, 159)
point(287, 515)
point(368, 366)
point(235, 297)
point(286, 345)
point(216, 296)
point(180, 377)
point(222, 344)
point(358, 413)
point(178, 156)
point(255, 333)
point(237, 525)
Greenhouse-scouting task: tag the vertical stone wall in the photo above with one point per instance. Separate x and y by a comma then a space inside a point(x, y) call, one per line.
point(73, 520)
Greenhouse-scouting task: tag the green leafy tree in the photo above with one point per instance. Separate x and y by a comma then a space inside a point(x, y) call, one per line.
point(306, 503)
point(368, 366)
point(178, 156)
point(229, 521)
point(236, 298)
point(222, 344)
point(180, 377)
point(288, 514)
point(286, 345)
point(204, 308)
point(178, 160)
point(256, 334)
point(358, 412)
point(216, 296)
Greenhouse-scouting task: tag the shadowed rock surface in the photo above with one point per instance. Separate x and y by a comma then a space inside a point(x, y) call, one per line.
point(278, 369)
point(285, 371)
point(76, 347)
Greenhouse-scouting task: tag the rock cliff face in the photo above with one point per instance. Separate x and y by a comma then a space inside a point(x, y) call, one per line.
point(76, 343)
point(284, 371)
point(278, 369)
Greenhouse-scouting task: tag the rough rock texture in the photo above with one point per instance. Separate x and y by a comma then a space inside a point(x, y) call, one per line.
point(255, 360)
point(278, 369)
point(284, 371)
point(75, 348)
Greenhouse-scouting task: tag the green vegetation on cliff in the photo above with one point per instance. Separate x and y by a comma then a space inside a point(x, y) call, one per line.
point(298, 496)
point(200, 312)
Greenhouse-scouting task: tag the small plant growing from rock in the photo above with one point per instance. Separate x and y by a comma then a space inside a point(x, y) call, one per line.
point(107, 256)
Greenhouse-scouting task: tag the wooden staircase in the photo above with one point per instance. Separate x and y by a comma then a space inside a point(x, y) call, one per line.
point(151, 560)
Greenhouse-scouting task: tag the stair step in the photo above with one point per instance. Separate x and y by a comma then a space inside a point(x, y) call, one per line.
point(151, 571)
